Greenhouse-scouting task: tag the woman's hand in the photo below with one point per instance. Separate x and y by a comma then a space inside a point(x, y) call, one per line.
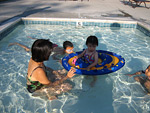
point(71, 73)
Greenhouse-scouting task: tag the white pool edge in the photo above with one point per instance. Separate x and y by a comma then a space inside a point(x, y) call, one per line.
point(79, 20)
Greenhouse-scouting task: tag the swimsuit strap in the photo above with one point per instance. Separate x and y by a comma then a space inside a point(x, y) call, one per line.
point(35, 69)
point(92, 53)
point(89, 55)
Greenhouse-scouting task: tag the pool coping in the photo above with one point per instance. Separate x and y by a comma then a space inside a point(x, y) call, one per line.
point(12, 22)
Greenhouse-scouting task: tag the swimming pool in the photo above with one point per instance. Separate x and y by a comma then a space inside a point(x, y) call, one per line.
point(112, 93)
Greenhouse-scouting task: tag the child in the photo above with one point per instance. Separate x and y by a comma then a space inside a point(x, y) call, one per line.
point(56, 50)
point(68, 47)
point(90, 54)
point(144, 80)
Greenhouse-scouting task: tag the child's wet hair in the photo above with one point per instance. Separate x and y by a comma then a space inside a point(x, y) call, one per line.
point(92, 40)
point(67, 44)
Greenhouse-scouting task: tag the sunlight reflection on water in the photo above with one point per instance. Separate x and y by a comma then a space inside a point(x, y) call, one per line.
point(114, 92)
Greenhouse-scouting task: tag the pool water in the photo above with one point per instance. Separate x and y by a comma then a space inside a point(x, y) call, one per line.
point(112, 93)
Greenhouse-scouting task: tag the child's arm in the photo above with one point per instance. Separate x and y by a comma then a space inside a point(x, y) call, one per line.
point(23, 46)
point(31, 37)
point(95, 61)
point(81, 54)
point(136, 73)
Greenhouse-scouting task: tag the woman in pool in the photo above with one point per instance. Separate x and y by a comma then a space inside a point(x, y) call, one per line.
point(37, 80)
point(144, 80)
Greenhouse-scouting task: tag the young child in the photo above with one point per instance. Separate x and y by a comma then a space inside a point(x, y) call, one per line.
point(56, 50)
point(67, 48)
point(90, 54)
point(144, 80)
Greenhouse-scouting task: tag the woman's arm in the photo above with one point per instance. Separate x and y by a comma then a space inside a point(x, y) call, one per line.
point(70, 74)
point(42, 78)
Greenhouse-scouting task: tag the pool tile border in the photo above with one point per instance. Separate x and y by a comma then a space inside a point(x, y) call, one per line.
point(84, 22)
point(143, 29)
point(7, 28)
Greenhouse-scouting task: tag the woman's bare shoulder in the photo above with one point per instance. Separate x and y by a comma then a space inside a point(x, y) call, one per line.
point(40, 76)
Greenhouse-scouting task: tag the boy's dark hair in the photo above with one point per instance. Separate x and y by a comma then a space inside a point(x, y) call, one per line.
point(92, 40)
point(67, 44)
point(41, 50)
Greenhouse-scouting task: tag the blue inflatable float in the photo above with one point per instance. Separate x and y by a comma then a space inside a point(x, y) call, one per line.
point(108, 62)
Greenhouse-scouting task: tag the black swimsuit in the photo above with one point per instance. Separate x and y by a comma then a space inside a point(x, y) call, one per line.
point(32, 86)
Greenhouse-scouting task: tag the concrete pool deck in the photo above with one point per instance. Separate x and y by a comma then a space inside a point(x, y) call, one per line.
point(92, 9)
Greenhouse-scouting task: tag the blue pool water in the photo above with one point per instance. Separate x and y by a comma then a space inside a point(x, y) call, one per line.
point(112, 93)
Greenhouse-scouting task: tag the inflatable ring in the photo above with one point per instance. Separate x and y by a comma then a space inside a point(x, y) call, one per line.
point(108, 62)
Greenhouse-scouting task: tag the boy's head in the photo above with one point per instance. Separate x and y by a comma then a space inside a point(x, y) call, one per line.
point(68, 47)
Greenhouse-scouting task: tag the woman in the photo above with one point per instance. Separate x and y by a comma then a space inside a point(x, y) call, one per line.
point(37, 80)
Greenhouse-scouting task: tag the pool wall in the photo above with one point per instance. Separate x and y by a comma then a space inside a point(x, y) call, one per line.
point(12, 24)
point(9, 26)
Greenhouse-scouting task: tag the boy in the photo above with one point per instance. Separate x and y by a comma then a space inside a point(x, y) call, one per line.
point(67, 48)
point(144, 80)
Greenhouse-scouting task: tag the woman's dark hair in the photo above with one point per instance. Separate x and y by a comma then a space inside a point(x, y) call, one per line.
point(41, 50)
point(67, 44)
point(92, 40)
